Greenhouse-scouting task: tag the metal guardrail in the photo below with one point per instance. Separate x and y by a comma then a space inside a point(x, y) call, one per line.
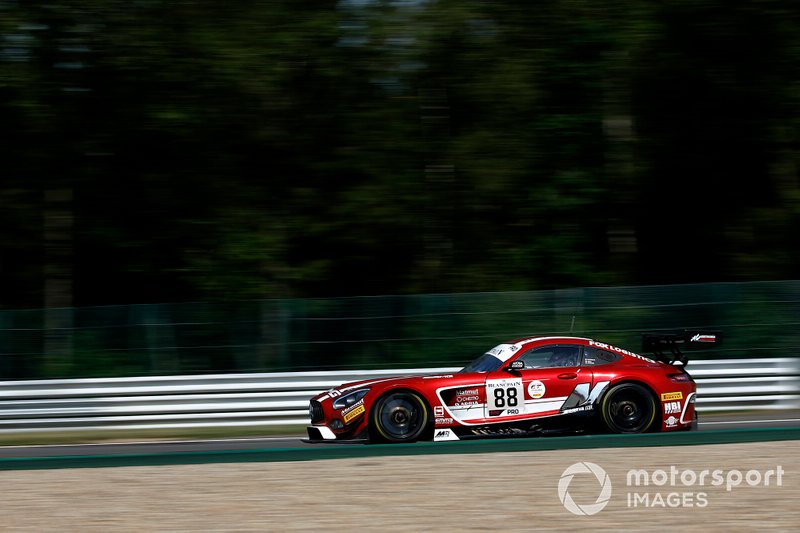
point(747, 384)
point(281, 399)
point(171, 402)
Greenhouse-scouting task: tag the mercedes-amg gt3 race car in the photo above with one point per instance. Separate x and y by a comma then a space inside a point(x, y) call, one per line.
point(524, 387)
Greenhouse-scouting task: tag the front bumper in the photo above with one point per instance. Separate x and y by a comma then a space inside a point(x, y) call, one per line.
point(336, 425)
point(323, 434)
point(320, 433)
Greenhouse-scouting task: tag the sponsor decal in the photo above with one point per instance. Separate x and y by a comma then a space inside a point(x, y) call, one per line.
point(672, 407)
point(671, 422)
point(438, 410)
point(473, 398)
point(704, 338)
point(443, 376)
point(352, 407)
point(582, 408)
point(536, 389)
point(643, 358)
point(359, 409)
point(667, 396)
point(334, 393)
point(503, 351)
point(467, 397)
point(443, 421)
point(605, 346)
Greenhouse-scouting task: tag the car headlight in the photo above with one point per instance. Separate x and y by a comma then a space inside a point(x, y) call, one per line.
point(343, 402)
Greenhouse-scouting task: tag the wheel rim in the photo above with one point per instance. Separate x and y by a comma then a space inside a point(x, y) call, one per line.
point(629, 410)
point(401, 417)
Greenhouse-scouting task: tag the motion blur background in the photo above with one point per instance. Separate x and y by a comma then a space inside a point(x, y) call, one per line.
point(273, 159)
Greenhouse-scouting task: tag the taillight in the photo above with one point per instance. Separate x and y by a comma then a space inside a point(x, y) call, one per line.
point(680, 378)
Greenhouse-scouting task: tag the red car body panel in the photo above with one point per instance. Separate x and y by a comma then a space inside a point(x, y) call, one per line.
point(502, 397)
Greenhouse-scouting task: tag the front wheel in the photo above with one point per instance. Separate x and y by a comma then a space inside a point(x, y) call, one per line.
point(399, 417)
point(628, 408)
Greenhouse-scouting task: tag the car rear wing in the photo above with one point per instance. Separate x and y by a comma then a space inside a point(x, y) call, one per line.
point(659, 344)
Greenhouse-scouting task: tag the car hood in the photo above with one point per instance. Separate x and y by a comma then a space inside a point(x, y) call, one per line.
point(394, 380)
point(417, 382)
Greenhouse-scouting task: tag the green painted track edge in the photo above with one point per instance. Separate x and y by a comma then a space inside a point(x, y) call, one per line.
point(341, 451)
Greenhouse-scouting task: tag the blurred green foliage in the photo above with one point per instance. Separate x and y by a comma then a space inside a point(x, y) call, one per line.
point(416, 331)
point(279, 149)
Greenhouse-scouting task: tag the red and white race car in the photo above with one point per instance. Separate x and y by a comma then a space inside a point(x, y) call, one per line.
point(523, 387)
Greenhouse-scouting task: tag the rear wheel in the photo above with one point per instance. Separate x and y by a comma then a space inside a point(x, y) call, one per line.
point(628, 408)
point(399, 417)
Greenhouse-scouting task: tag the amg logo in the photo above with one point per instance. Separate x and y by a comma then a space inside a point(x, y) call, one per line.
point(444, 434)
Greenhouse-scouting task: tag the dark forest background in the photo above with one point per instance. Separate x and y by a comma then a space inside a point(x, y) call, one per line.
point(190, 150)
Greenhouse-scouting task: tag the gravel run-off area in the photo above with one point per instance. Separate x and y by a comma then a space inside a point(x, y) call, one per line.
point(500, 491)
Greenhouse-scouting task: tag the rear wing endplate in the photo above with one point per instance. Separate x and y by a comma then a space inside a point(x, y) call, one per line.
point(666, 347)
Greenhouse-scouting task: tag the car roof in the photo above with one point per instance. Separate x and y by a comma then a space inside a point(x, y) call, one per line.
point(527, 340)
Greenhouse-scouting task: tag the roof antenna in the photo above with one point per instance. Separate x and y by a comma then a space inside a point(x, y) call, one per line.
point(572, 325)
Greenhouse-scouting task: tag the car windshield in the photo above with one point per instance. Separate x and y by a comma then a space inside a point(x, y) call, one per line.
point(485, 363)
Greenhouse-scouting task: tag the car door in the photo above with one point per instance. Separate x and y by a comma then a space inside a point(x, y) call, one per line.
point(550, 375)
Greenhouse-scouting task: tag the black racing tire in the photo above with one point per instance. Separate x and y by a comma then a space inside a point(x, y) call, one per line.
point(399, 416)
point(628, 408)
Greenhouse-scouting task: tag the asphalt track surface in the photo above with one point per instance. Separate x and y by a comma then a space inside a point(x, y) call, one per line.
point(769, 419)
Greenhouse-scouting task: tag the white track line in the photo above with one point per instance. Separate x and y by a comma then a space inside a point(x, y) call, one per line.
point(751, 421)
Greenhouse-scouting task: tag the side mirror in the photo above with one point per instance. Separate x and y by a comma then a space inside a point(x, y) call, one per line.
point(515, 366)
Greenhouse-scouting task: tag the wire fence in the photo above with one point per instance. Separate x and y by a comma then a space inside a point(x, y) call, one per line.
point(757, 320)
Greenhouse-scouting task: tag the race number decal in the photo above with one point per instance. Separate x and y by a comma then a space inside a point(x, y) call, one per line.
point(504, 397)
